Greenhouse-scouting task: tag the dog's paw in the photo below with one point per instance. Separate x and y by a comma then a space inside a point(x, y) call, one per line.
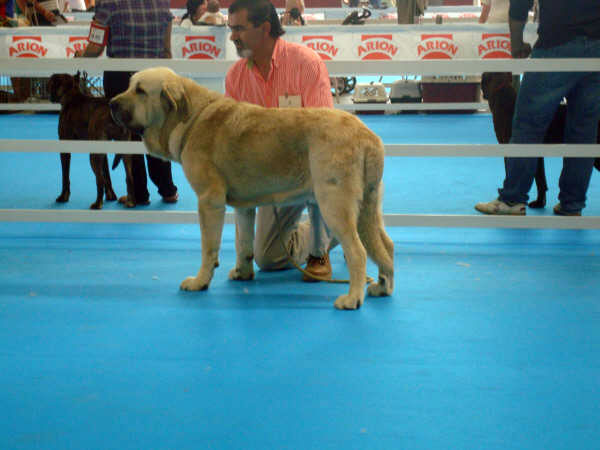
point(96, 205)
point(193, 284)
point(110, 196)
point(381, 289)
point(348, 302)
point(63, 197)
point(239, 274)
point(538, 204)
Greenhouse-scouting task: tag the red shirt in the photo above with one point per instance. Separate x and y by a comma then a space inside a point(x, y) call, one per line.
point(296, 70)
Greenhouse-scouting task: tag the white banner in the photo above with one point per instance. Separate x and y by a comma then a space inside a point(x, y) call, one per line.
point(341, 43)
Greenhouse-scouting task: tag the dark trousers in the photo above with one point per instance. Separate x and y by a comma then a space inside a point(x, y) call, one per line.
point(159, 170)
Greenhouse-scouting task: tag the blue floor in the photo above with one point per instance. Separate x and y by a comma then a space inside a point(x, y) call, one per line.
point(490, 341)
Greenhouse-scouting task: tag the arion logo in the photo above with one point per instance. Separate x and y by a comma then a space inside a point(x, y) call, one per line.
point(200, 47)
point(437, 46)
point(323, 45)
point(76, 43)
point(494, 45)
point(27, 47)
point(376, 46)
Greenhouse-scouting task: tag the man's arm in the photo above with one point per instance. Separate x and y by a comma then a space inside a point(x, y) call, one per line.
point(316, 87)
point(96, 41)
point(517, 18)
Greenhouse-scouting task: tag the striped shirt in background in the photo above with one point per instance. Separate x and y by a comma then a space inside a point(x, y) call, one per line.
point(136, 27)
point(296, 70)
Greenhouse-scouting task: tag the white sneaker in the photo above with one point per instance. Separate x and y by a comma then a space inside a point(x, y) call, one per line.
point(500, 208)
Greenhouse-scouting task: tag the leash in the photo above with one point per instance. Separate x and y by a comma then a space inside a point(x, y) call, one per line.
point(297, 266)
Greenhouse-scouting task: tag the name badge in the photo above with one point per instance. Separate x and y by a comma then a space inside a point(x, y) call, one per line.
point(290, 101)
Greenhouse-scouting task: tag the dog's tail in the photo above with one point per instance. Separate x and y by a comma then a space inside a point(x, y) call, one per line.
point(117, 160)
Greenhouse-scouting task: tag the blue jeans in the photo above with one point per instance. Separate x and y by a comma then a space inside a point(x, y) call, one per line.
point(537, 101)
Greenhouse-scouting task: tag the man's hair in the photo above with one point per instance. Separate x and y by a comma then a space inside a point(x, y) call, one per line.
point(259, 12)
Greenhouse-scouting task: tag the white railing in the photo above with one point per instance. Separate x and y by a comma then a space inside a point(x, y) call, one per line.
point(217, 68)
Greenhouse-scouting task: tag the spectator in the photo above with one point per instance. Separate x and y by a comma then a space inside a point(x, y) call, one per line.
point(291, 4)
point(276, 73)
point(7, 14)
point(567, 29)
point(292, 17)
point(42, 13)
point(213, 15)
point(134, 29)
point(195, 9)
point(494, 11)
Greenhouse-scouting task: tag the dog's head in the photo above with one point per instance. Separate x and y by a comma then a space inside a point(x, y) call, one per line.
point(153, 96)
point(60, 84)
point(492, 81)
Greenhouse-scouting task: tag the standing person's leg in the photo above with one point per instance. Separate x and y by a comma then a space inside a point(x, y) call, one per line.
point(583, 113)
point(161, 175)
point(537, 101)
point(114, 83)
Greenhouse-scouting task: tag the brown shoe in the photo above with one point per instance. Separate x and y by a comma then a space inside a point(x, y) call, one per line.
point(561, 212)
point(317, 266)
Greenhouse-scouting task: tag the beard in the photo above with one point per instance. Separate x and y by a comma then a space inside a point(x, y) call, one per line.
point(242, 50)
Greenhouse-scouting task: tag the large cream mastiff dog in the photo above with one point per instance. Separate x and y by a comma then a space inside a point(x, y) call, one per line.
point(246, 156)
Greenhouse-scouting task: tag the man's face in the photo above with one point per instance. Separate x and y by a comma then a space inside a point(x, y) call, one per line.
point(246, 37)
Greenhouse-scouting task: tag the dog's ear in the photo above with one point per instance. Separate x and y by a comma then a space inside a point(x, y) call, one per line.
point(174, 98)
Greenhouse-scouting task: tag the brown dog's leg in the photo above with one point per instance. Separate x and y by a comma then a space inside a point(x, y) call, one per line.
point(96, 161)
point(541, 184)
point(109, 193)
point(65, 164)
point(128, 164)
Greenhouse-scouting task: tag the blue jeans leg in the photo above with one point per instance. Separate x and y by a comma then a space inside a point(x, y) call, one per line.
point(537, 101)
point(583, 111)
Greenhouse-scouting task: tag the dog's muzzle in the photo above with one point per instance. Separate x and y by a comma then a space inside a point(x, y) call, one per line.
point(119, 116)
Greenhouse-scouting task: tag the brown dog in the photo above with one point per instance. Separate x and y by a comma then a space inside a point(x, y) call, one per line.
point(84, 117)
point(501, 96)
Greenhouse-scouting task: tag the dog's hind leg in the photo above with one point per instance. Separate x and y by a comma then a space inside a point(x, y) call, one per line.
point(96, 161)
point(65, 164)
point(244, 244)
point(109, 193)
point(378, 244)
point(541, 184)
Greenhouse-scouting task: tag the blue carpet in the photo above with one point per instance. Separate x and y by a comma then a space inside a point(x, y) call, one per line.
point(490, 341)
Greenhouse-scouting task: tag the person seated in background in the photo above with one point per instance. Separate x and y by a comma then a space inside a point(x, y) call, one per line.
point(213, 15)
point(195, 10)
point(292, 17)
point(291, 4)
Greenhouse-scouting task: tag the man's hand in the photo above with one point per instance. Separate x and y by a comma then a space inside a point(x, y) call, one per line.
point(522, 50)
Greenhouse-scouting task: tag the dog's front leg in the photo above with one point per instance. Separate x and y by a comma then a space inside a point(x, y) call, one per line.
point(65, 164)
point(244, 244)
point(212, 218)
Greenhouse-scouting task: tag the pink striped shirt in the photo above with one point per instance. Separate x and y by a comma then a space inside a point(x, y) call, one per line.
point(296, 70)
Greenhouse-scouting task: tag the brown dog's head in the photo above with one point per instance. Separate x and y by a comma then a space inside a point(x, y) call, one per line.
point(492, 81)
point(60, 84)
point(153, 96)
